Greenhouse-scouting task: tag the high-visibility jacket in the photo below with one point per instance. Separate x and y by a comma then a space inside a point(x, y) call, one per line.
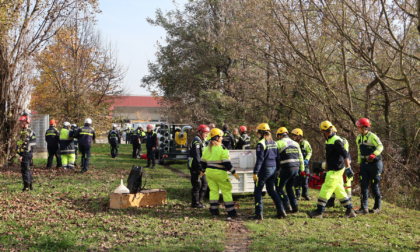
point(244, 142)
point(85, 135)
point(306, 149)
point(218, 159)
point(196, 151)
point(66, 141)
point(114, 136)
point(26, 142)
point(228, 140)
point(151, 139)
point(290, 154)
point(267, 155)
point(335, 153)
point(52, 137)
point(369, 144)
point(135, 135)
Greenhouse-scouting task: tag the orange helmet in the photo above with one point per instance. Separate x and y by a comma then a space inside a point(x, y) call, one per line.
point(242, 129)
point(52, 121)
point(25, 119)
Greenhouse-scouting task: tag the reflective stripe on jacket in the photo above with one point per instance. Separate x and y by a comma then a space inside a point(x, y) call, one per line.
point(290, 154)
point(66, 141)
point(218, 158)
point(367, 145)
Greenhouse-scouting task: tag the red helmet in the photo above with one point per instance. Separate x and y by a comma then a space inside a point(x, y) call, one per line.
point(149, 126)
point(25, 119)
point(52, 121)
point(363, 122)
point(203, 128)
point(242, 129)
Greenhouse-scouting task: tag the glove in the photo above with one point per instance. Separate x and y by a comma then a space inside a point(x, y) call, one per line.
point(371, 157)
point(306, 162)
point(236, 176)
point(349, 172)
point(302, 174)
point(255, 177)
point(324, 176)
point(201, 174)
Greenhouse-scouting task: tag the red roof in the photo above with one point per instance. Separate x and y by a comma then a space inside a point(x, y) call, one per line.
point(137, 101)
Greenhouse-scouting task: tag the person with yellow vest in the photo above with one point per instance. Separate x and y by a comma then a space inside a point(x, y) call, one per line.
point(347, 182)
point(306, 149)
point(67, 147)
point(265, 172)
point(292, 166)
point(337, 163)
point(370, 160)
point(215, 162)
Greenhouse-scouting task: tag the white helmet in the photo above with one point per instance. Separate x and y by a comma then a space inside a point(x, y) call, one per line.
point(66, 124)
point(114, 125)
point(88, 121)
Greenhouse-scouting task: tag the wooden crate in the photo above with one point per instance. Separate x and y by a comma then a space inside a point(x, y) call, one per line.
point(145, 198)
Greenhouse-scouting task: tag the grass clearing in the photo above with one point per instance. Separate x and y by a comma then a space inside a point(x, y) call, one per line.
point(69, 211)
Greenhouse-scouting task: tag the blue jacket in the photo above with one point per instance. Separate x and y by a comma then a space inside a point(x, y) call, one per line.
point(52, 137)
point(151, 139)
point(267, 155)
point(85, 135)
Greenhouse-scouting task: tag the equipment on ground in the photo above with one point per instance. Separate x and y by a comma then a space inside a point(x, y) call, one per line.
point(135, 179)
point(172, 142)
point(316, 178)
point(122, 188)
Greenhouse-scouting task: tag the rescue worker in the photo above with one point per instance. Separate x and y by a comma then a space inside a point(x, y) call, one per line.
point(52, 137)
point(74, 127)
point(135, 141)
point(370, 160)
point(67, 146)
point(211, 126)
point(85, 136)
point(198, 177)
point(347, 181)
point(25, 144)
point(292, 166)
point(337, 163)
point(128, 135)
point(151, 140)
point(305, 147)
point(215, 162)
point(265, 172)
point(142, 136)
point(244, 142)
point(236, 135)
point(114, 139)
point(228, 139)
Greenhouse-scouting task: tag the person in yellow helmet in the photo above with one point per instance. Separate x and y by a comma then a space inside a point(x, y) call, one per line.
point(292, 166)
point(347, 182)
point(265, 172)
point(306, 149)
point(215, 162)
point(337, 163)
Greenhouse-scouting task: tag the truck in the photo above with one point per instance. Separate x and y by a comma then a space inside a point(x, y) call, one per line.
point(172, 142)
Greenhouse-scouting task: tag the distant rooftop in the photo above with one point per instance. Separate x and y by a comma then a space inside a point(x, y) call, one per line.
point(137, 101)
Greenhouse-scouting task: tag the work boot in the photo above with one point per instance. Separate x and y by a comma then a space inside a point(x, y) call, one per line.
point(281, 215)
point(202, 204)
point(314, 214)
point(349, 213)
point(362, 211)
point(25, 186)
point(198, 206)
point(297, 196)
point(295, 209)
point(256, 217)
point(306, 197)
point(232, 216)
point(147, 166)
point(216, 213)
point(288, 208)
point(330, 202)
point(375, 210)
point(153, 166)
point(31, 187)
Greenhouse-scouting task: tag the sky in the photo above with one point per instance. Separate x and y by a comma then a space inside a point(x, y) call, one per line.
point(124, 23)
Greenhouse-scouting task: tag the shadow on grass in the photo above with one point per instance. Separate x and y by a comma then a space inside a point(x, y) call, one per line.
point(47, 243)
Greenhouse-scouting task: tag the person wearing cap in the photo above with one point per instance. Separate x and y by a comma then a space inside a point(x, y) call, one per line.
point(370, 149)
point(114, 139)
point(306, 149)
point(337, 164)
point(198, 178)
point(25, 144)
point(85, 136)
point(215, 162)
point(151, 140)
point(244, 141)
point(265, 171)
point(67, 146)
point(52, 137)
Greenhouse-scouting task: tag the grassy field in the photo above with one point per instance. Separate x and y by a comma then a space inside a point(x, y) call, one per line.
point(69, 211)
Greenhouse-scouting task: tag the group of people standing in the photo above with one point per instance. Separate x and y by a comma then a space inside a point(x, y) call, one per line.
point(285, 164)
point(63, 144)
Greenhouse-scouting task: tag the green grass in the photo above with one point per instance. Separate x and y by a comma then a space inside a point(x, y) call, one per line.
point(70, 212)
